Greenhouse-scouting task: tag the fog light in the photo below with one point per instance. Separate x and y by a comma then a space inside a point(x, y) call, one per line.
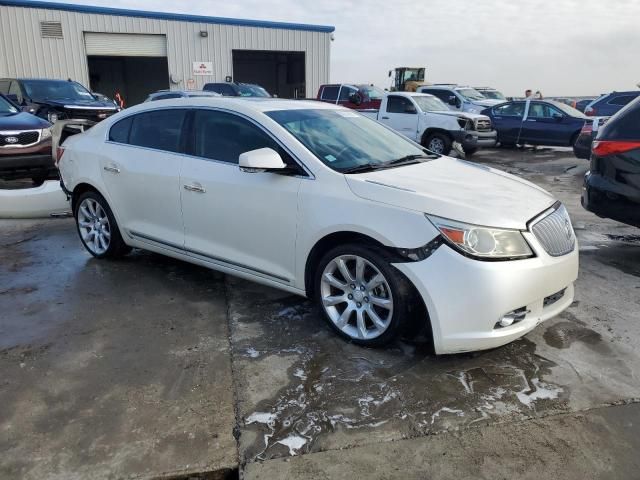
point(512, 317)
point(506, 321)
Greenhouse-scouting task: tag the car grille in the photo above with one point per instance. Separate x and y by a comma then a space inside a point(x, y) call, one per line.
point(555, 232)
point(95, 115)
point(483, 125)
point(10, 139)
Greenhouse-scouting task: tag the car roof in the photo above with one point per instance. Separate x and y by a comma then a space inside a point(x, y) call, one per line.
point(411, 94)
point(240, 104)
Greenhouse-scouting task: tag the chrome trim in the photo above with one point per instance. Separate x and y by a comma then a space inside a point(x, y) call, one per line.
point(81, 107)
point(554, 232)
point(6, 133)
point(389, 186)
point(209, 258)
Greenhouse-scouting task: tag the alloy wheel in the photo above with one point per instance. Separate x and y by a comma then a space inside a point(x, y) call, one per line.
point(436, 145)
point(94, 226)
point(357, 297)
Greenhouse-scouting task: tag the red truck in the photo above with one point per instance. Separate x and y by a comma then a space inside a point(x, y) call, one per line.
point(351, 95)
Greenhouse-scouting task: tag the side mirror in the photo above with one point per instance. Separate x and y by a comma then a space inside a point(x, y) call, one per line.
point(14, 98)
point(356, 99)
point(557, 117)
point(261, 160)
point(453, 101)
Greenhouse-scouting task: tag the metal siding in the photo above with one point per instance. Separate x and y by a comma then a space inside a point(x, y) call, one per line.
point(24, 54)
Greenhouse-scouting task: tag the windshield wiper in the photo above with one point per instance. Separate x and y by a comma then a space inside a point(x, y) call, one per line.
point(367, 167)
point(408, 160)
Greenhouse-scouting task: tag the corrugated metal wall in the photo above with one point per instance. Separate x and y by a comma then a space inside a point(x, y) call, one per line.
point(23, 53)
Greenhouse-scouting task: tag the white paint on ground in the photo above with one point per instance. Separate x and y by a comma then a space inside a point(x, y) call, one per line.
point(543, 391)
point(455, 411)
point(261, 417)
point(252, 352)
point(294, 443)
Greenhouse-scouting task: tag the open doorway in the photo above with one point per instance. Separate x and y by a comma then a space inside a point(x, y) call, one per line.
point(134, 78)
point(281, 73)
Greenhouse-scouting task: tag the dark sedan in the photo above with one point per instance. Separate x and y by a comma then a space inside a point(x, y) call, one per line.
point(582, 147)
point(536, 122)
point(612, 186)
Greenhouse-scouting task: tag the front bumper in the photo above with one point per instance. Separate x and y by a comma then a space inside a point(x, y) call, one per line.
point(465, 298)
point(474, 139)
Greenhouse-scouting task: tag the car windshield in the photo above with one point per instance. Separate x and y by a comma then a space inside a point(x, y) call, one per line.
point(346, 140)
point(572, 112)
point(40, 90)
point(374, 93)
point(427, 103)
point(493, 94)
point(6, 108)
point(470, 94)
point(252, 91)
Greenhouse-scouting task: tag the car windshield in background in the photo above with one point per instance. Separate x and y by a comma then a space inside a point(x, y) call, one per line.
point(40, 90)
point(374, 93)
point(6, 108)
point(345, 140)
point(493, 95)
point(572, 112)
point(252, 91)
point(471, 94)
point(430, 104)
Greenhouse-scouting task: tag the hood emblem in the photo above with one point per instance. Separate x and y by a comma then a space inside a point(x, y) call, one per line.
point(11, 139)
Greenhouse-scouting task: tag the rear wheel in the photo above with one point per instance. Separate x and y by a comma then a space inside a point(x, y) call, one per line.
point(574, 139)
point(97, 227)
point(362, 297)
point(438, 143)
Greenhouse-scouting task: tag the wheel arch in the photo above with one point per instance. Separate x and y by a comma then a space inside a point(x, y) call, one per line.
point(78, 190)
point(432, 130)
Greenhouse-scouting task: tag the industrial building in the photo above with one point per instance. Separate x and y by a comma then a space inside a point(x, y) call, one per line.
point(135, 52)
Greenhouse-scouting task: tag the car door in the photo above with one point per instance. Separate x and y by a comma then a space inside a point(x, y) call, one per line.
point(140, 166)
point(239, 220)
point(401, 115)
point(546, 125)
point(344, 97)
point(507, 120)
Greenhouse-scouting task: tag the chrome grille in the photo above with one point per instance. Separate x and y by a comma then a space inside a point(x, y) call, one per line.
point(555, 233)
point(19, 139)
point(483, 125)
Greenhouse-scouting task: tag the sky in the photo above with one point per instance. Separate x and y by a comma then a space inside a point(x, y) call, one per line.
point(560, 47)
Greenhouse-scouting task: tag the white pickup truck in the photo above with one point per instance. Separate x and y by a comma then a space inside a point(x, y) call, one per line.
point(426, 119)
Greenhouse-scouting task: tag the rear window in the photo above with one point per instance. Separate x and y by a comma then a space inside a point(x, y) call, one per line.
point(120, 131)
point(622, 99)
point(624, 125)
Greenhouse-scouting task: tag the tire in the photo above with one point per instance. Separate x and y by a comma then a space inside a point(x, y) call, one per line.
point(469, 151)
point(369, 322)
point(97, 227)
point(438, 143)
point(574, 139)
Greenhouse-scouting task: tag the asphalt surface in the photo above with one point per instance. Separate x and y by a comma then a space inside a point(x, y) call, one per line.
point(149, 367)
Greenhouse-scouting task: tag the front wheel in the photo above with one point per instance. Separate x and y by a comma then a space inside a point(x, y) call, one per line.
point(97, 227)
point(468, 151)
point(438, 143)
point(362, 297)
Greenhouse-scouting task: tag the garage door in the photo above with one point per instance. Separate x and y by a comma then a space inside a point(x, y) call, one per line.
point(125, 45)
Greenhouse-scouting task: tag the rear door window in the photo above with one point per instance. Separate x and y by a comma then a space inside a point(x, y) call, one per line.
point(345, 93)
point(398, 104)
point(120, 131)
point(330, 93)
point(622, 99)
point(515, 109)
point(158, 129)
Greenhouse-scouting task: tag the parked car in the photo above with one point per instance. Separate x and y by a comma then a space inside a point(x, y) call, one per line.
point(167, 94)
point(459, 98)
point(235, 89)
point(611, 186)
point(56, 100)
point(582, 147)
point(25, 144)
point(536, 122)
point(320, 201)
point(581, 105)
point(490, 93)
point(356, 96)
point(426, 120)
point(610, 103)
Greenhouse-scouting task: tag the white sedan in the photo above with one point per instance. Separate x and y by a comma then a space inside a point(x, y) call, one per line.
point(322, 202)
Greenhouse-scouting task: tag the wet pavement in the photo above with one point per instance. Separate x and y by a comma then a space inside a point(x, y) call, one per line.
point(158, 380)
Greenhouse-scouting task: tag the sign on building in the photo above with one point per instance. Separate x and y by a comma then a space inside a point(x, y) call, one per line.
point(203, 68)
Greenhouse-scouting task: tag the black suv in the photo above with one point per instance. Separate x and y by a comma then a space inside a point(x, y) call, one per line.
point(56, 100)
point(610, 103)
point(235, 89)
point(611, 187)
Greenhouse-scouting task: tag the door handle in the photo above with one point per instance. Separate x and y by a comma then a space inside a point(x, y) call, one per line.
point(111, 168)
point(195, 187)
point(384, 118)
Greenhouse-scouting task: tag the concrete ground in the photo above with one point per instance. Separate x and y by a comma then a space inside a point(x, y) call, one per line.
point(149, 367)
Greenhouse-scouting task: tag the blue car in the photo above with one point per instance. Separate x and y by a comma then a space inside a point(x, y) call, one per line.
point(542, 122)
point(610, 103)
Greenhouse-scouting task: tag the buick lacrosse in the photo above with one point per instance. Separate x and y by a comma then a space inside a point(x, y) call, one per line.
point(323, 202)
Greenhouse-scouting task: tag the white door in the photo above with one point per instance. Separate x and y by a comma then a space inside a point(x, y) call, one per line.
point(141, 172)
point(401, 115)
point(244, 221)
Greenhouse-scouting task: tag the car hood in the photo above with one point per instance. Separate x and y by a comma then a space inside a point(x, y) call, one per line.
point(455, 189)
point(487, 103)
point(470, 116)
point(22, 121)
point(97, 104)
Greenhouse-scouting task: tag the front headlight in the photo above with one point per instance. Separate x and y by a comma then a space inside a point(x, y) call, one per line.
point(45, 133)
point(52, 117)
point(483, 242)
